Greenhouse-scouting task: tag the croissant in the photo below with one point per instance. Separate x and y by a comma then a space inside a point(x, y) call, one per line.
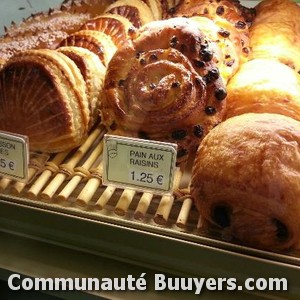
point(264, 85)
point(275, 33)
point(245, 181)
point(43, 96)
point(164, 86)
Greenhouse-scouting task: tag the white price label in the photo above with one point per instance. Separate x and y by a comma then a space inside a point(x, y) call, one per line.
point(139, 164)
point(14, 156)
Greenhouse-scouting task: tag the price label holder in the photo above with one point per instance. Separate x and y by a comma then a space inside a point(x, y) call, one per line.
point(139, 164)
point(14, 156)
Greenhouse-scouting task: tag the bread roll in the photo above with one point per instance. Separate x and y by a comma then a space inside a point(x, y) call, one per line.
point(263, 85)
point(165, 86)
point(245, 180)
point(43, 96)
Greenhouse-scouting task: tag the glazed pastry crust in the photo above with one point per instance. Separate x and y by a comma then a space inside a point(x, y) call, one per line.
point(275, 33)
point(263, 85)
point(249, 167)
point(160, 92)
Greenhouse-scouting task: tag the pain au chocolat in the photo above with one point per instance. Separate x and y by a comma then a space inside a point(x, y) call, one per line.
point(245, 180)
point(43, 96)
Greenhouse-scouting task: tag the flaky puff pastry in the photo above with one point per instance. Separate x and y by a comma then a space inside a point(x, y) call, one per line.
point(245, 180)
point(117, 27)
point(98, 42)
point(275, 33)
point(93, 72)
point(43, 96)
point(165, 86)
point(263, 85)
point(137, 11)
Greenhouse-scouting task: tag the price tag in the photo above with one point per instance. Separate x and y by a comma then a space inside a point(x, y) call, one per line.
point(139, 164)
point(14, 156)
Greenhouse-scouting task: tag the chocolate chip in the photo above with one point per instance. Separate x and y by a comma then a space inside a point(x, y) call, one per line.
point(199, 63)
point(220, 10)
point(240, 25)
point(173, 41)
point(209, 110)
point(224, 33)
point(179, 134)
point(181, 152)
point(220, 94)
point(206, 55)
point(198, 131)
point(282, 233)
point(175, 84)
point(221, 215)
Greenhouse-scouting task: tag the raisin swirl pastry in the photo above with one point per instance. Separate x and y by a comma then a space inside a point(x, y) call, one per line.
point(43, 96)
point(232, 18)
point(245, 180)
point(165, 86)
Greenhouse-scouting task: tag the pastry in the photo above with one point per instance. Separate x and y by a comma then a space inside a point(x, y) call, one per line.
point(232, 18)
point(98, 42)
point(245, 180)
point(264, 85)
point(117, 27)
point(137, 11)
point(43, 96)
point(275, 33)
point(47, 29)
point(164, 86)
point(93, 72)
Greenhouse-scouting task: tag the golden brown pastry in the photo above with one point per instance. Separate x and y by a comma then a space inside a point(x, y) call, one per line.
point(43, 96)
point(230, 16)
point(96, 41)
point(137, 11)
point(93, 72)
point(275, 33)
point(165, 86)
point(47, 29)
point(117, 27)
point(245, 180)
point(227, 57)
point(264, 85)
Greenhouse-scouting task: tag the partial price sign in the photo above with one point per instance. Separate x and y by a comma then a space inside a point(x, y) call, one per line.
point(14, 156)
point(140, 164)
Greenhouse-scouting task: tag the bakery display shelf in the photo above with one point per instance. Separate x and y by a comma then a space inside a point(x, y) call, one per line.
point(70, 184)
